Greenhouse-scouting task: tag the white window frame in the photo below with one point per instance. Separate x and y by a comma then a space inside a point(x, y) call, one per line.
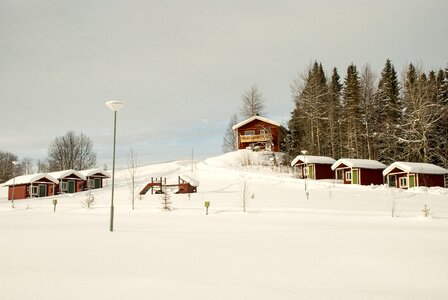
point(262, 131)
point(348, 176)
point(34, 190)
point(64, 186)
point(91, 183)
point(249, 132)
point(403, 181)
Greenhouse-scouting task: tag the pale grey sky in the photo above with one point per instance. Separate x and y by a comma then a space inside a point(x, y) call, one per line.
point(181, 66)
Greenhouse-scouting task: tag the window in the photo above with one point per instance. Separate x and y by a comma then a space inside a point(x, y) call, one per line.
point(91, 183)
point(249, 132)
point(348, 176)
point(63, 186)
point(446, 181)
point(262, 131)
point(34, 191)
point(403, 182)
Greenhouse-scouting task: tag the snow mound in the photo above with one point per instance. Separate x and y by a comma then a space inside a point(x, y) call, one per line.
point(243, 158)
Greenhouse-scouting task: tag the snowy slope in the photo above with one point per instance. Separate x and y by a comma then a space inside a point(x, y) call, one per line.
point(341, 243)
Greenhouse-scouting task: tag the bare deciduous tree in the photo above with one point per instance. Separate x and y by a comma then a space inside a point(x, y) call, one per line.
point(230, 137)
point(131, 174)
point(253, 103)
point(71, 151)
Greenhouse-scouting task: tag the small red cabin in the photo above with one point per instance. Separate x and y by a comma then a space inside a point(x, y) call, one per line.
point(94, 178)
point(410, 174)
point(30, 186)
point(70, 181)
point(359, 171)
point(314, 167)
point(258, 133)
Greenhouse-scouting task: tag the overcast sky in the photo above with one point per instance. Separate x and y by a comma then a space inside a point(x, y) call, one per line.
point(181, 66)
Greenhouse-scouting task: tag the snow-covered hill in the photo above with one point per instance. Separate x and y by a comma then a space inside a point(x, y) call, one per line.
point(340, 243)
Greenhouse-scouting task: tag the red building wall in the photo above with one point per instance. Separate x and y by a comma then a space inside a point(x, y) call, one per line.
point(324, 171)
point(20, 192)
point(429, 180)
point(371, 176)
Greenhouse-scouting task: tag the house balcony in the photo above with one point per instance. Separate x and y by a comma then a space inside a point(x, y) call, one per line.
point(255, 138)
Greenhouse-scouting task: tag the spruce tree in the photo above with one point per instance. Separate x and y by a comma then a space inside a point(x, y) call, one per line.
point(352, 113)
point(388, 111)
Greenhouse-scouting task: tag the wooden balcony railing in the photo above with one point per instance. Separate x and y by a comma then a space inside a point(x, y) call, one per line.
point(255, 138)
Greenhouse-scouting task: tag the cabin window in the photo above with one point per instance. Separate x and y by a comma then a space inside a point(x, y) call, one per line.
point(403, 182)
point(34, 191)
point(262, 131)
point(63, 186)
point(91, 183)
point(249, 132)
point(446, 181)
point(348, 176)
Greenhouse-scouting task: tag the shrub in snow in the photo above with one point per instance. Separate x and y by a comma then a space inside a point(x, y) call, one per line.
point(166, 200)
point(89, 201)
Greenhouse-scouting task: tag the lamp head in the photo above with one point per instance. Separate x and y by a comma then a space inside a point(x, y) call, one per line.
point(115, 105)
point(15, 163)
point(304, 152)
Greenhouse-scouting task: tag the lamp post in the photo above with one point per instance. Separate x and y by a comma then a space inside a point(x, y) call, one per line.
point(15, 163)
point(114, 106)
point(304, 152)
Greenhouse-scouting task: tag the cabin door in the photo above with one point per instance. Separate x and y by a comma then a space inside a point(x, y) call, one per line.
point(355, 176)
point(311, 171)
point(70, 186)
point(411, 181)
point(42, 190)
point(97, 183)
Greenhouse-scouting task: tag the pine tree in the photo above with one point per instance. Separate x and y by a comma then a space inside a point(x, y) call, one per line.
point(368, 118)
point(352, 113)
point(388, 112)
point(335, 114)
point(310, 95)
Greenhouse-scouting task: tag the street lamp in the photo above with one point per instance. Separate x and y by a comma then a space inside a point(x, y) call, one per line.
point(304, 152)
point(15, 163)
point(114, 106)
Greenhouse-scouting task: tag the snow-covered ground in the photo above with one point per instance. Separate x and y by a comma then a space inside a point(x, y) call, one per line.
point(341, 243)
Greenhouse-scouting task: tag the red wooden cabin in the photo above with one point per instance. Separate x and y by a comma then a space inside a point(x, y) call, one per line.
point(410, 174)
point(314, 167)
point(359, 171)
point(30, 186)
point(258, 133)
point(94, 178)
point(70, 181)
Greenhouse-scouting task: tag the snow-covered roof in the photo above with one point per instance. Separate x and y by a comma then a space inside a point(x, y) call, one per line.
point(358, 163)
point(90, 172)
point(31, 178)
point(310, 159)
point(255, 118)
point(413, 167)
point(193, 181)
point(66, 173)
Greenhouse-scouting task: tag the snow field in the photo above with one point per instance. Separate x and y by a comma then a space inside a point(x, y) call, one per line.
point(342, 243)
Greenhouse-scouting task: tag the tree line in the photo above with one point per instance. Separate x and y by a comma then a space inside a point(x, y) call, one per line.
point(71, 151)
point(370, 116)
point(364, 115)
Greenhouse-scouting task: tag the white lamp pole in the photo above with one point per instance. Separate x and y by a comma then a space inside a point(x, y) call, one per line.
point(114, 106)
point(15, 163)
point(304, 152)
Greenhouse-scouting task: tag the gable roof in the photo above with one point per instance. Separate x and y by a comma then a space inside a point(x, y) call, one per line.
point(255, 118)
point(310, 159)
point(359, 163)
point(31, 178)
point(91, 172)
point(66, 173)
point(413, 167)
